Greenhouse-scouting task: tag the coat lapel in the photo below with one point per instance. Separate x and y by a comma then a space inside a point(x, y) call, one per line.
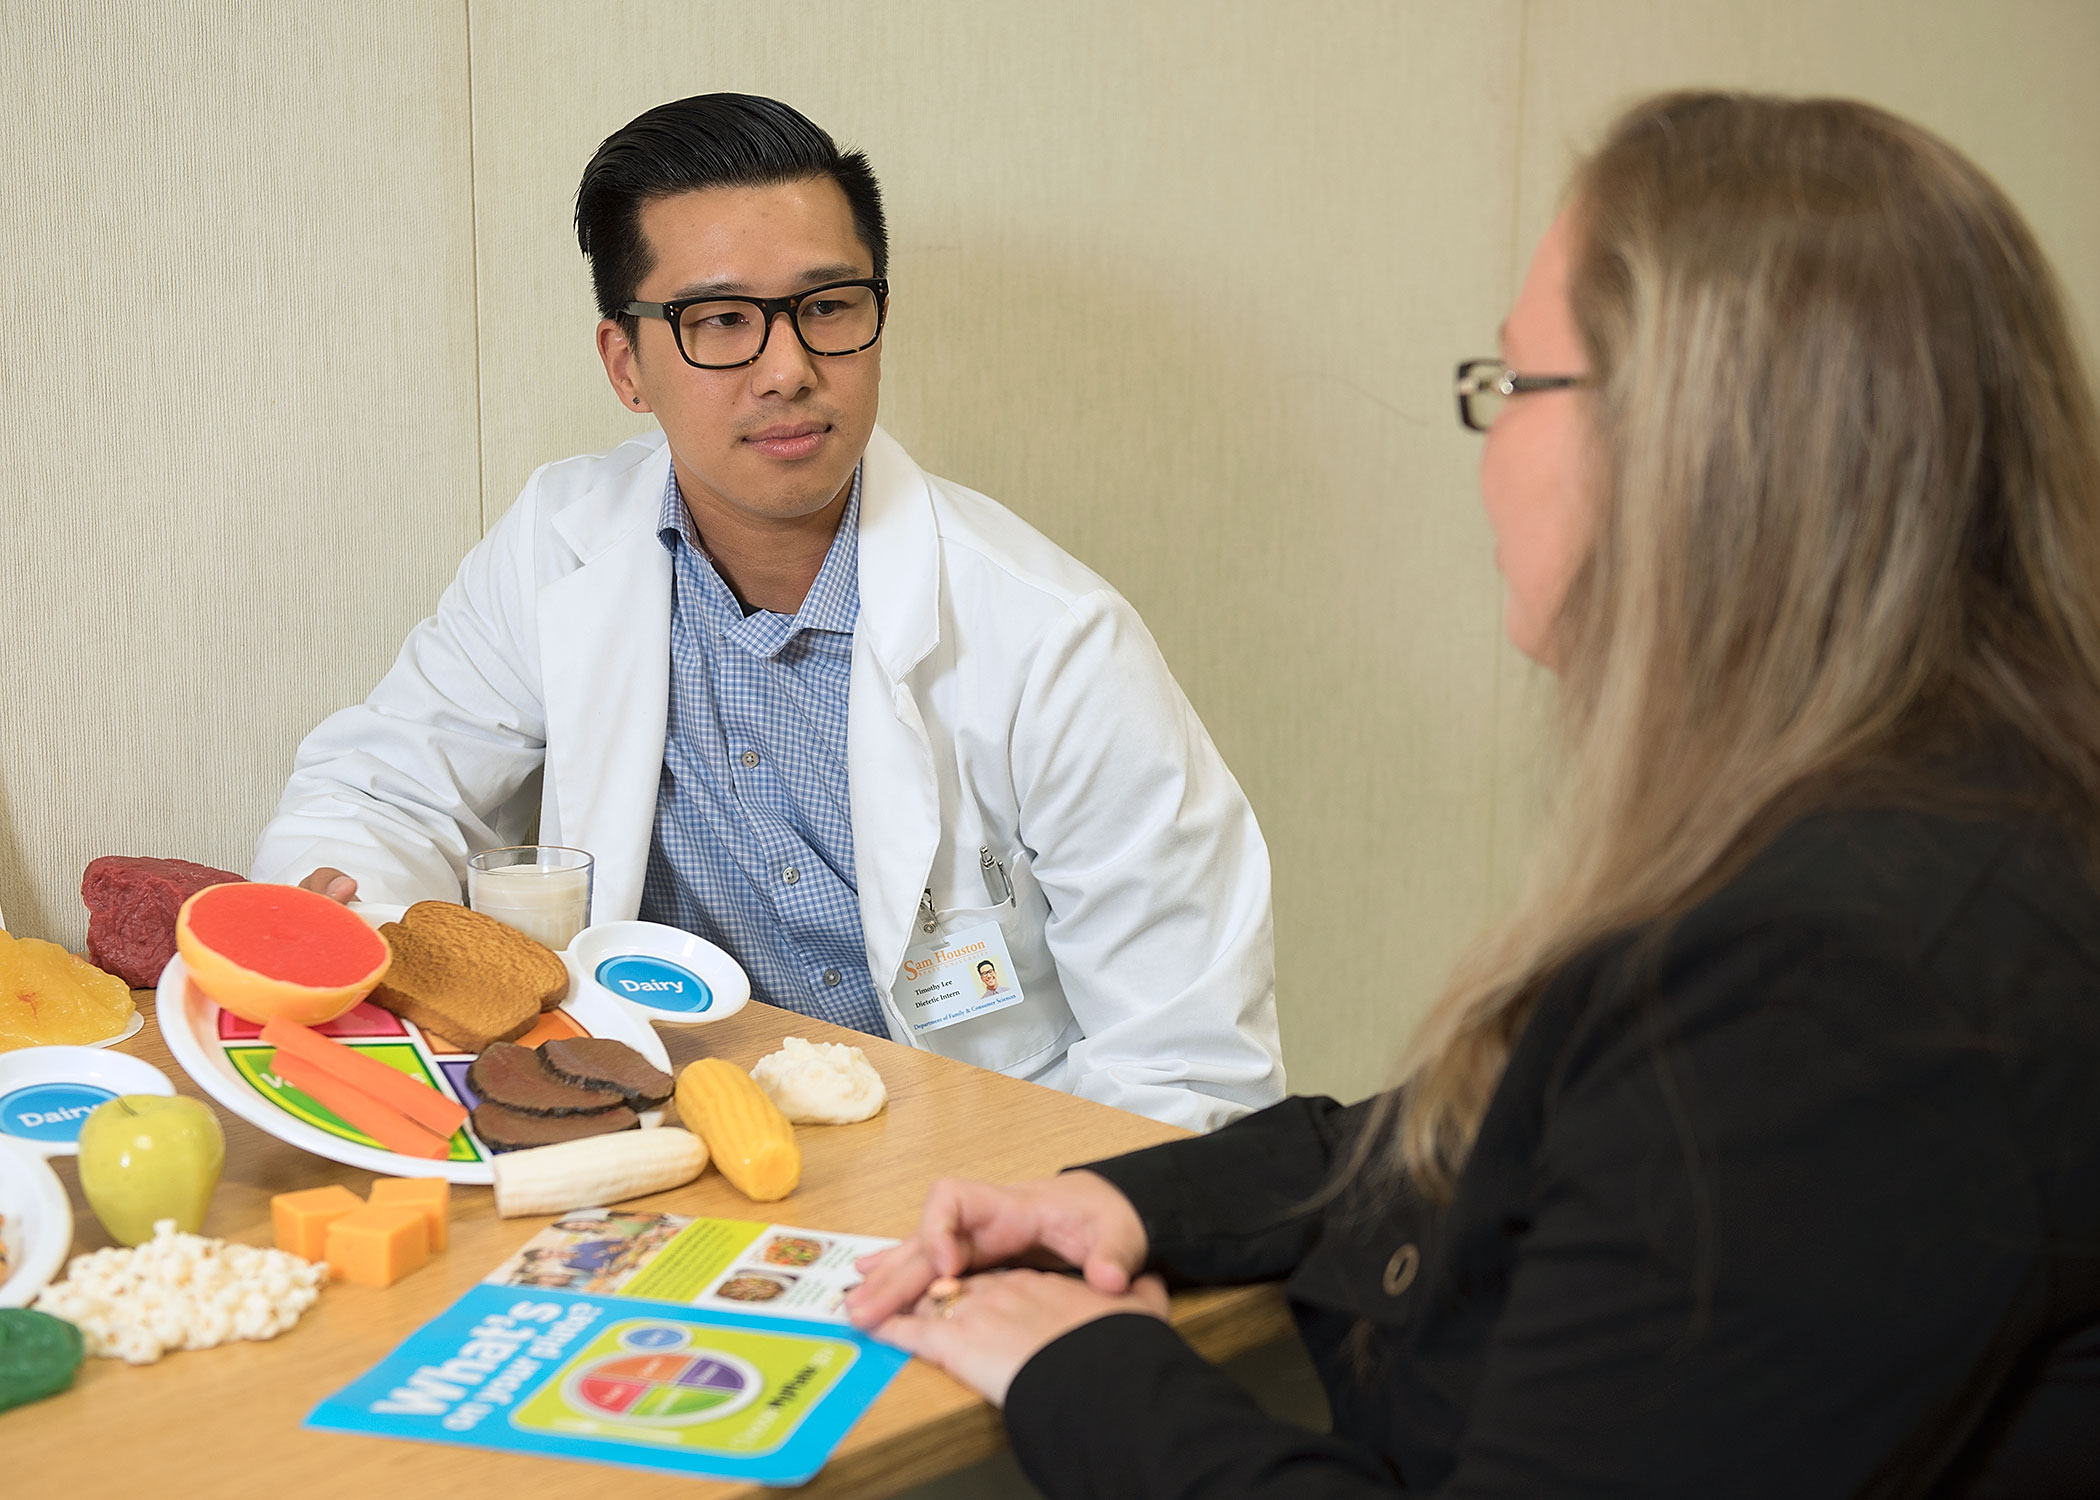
point(890, 773)
point(605, 653)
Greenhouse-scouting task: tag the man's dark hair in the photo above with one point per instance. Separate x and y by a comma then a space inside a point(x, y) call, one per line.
point(707, 141)
point(985, 963)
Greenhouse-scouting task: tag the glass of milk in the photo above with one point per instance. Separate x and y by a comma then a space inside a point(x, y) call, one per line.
point(543, 890)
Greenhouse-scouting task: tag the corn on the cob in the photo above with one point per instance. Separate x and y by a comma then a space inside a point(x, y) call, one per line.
point(748, 1136)
point(596, 1170)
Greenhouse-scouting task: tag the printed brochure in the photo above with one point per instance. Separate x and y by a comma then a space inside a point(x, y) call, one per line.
point(710, 1347)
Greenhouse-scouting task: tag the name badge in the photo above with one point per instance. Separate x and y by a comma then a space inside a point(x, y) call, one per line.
point(956, 978)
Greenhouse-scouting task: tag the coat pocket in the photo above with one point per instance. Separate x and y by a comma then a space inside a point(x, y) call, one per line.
point(1018, 1038)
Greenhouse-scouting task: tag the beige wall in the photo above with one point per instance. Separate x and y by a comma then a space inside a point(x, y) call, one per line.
point(1182, 283)
point(237, 446)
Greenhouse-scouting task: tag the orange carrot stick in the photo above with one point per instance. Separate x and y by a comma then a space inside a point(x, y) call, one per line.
point(382, 1122)
point(390, 1086)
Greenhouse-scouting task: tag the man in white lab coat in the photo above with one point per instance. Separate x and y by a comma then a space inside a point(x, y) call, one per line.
point(861, 726)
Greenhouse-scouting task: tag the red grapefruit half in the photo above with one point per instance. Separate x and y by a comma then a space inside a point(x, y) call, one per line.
point(268, 952)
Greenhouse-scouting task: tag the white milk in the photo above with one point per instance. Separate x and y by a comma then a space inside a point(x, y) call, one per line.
point(547, 904)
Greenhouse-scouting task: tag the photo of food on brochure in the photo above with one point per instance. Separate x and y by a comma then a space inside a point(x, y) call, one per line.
point(700, 1262)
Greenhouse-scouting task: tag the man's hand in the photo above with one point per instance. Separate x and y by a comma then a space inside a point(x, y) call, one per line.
point(333, 884)
point(1078, 1217)
point(997, 1322)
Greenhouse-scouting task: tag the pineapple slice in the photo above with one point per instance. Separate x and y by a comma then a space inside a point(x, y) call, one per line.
point(47, 995)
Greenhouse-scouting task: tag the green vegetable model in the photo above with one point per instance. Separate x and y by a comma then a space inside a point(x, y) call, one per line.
point(38, 1355)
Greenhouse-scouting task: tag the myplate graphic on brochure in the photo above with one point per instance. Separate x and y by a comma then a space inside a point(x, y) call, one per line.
point(671, 1389)
point(721, 1391)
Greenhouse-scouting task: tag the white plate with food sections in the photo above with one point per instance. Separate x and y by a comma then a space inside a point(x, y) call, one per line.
point(230, 1061)
point(36, 1224)
point(47, 1093)
point(662, 973)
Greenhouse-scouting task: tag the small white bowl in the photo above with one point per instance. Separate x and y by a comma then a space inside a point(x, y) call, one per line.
point(47, 1092)
point(36, 1222)
point(660, 972)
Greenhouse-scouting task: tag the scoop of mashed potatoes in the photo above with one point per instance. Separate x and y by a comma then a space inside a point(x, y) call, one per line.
point(820, 1083)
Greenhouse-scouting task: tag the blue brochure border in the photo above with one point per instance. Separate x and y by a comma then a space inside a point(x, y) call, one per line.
point(451, 1334)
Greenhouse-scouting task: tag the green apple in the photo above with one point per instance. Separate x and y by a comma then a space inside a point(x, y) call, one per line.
point(148, 1156)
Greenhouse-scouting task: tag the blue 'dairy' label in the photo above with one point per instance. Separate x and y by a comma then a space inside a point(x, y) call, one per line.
point(49, 1111)
point(656, 983)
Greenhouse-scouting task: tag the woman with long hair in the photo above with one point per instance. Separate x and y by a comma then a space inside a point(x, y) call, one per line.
point(1757, 1152)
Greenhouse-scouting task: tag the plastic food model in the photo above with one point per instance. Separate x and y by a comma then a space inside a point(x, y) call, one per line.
point(597, 1169)
point(264, 951)
point(147, 1157)
point(48, 996)
point(181, 1291)
point(375, 1243)
point(821, 1083)
point(132, 902)
point(746, 1134)
point(39, 1355)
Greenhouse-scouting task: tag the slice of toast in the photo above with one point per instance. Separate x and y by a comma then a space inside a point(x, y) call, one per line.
point(467, 977)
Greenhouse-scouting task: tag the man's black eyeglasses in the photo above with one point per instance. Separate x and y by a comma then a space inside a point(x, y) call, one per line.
point(722, 333)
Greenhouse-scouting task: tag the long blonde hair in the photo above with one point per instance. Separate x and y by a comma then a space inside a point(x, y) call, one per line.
point(1849, 501)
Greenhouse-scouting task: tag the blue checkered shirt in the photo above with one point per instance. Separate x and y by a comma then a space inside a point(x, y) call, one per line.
point(753, 847)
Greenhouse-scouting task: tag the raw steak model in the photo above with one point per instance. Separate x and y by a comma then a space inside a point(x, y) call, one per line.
point(132, 902)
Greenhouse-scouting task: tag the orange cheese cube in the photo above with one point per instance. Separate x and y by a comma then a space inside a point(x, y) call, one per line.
point(378, 1245)
point(301, 1219)
point(433, 1195)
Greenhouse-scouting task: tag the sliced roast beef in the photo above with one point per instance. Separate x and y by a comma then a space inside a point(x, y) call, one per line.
point(515, 1077)
point(599, 1062)
point(503, 1129)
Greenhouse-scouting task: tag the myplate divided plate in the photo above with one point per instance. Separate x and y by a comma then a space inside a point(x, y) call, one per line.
point(231, 1062)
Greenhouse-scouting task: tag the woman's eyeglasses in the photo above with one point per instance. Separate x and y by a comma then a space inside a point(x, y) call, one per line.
point(1485, 386)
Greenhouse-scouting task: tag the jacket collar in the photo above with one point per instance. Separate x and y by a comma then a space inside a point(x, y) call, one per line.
point(623, 499)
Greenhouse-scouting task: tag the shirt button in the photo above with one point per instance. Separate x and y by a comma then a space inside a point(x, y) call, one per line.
point(831, 978)
point(750, 758)
point(1400, 1270)
point(791, 874)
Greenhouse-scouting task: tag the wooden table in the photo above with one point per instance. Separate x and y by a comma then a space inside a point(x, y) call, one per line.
point(225, 1422)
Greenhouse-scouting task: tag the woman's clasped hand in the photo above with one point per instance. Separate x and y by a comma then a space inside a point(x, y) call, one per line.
point(983, 1325)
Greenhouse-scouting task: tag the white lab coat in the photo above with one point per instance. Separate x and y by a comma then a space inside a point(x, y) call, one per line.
point(1001, 697)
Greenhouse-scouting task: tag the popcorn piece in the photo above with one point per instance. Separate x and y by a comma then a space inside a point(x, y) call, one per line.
point(181, 1291)
point(820, 1083)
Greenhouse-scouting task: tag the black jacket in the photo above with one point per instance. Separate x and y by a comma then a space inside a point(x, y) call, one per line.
point(1798, 1197)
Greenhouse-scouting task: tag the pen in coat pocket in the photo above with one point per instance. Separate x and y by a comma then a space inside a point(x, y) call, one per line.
point(995, 877)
